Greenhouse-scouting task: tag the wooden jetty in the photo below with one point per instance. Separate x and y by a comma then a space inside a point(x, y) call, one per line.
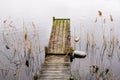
point(56, 67)
point(59, 42)
point(57, 61)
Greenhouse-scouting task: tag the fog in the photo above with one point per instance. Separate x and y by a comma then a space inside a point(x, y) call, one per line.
point(85, 23)
point(58, 8)
point(42, 11)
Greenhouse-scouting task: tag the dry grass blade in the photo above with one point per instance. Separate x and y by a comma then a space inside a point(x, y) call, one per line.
point(104, 47)
point(29, 46)
point(99, 13)
point(87, 44)
point(93, 44)
point(105, 43)
point(111, 18)
point(113, 39)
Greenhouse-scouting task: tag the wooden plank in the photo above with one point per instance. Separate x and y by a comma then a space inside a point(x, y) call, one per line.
point(59, 42)
point(56, 67)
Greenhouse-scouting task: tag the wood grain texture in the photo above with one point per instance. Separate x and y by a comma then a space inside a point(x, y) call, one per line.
point(59, 42)
point(56, 67)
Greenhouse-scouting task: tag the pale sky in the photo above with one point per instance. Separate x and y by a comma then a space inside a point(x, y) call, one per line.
point(58, 8)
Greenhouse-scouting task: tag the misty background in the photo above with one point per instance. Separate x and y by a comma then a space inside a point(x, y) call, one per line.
point(82, 13)
point(41, 11)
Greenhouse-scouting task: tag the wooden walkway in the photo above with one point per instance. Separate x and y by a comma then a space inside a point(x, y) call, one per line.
point(59, 42)
point(56, 67)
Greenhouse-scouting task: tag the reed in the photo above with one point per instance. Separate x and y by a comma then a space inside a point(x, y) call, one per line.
point(111, 18)
point(104, 39)
point(25, 36)
point(104, 47)
point(31, 60)
point(100, 13)
point(93, 41)
point(104, 20)
point(87, 42)
point(112, 38)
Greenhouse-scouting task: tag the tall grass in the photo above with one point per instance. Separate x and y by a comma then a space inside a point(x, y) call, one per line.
point(103, 49)
point(20, 51)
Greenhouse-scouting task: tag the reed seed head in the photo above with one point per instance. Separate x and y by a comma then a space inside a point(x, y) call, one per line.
point(111, 18)
point(99, 13)
point(25, 36)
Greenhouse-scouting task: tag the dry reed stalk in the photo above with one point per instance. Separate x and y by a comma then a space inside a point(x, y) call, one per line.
point(25, 39)
point(111, 18)
point(104, 47)
point(103, 26)
point(33, 24)
point(87, 43)
point(25, 36)
point(95, 20)
point(104, 20)
point(112, 40)
point(24, 28)
point(93, 42)
point(5, 40)
point(34, 27)
point(37, 45)
point(37, 35)
point(118, 53)
point(105, 43)
point(29, 45)
point(93, 48)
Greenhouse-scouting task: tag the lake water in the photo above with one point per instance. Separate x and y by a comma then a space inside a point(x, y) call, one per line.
point(22, 49)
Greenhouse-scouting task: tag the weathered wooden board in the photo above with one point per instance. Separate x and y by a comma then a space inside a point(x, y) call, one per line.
point(59, 42)
point(56, 67)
